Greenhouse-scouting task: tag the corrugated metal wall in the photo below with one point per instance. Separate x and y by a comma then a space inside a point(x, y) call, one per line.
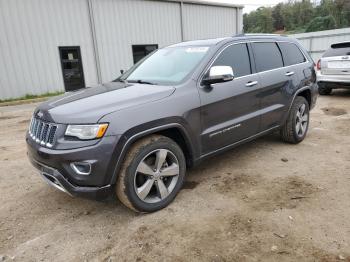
point(239, 20)
point(318, 42)
point(30, 33)
point(32, 30)
point(123, 23)
point(202, 21)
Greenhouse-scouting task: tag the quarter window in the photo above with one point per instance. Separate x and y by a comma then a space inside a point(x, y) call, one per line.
point(267, 56)
point(291, 54)
point(237, 57)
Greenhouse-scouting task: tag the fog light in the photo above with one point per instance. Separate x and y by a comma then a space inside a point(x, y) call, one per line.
point(81, 168)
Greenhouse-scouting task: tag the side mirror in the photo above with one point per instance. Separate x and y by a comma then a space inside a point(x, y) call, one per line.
point(218, 74)
point(121, 71)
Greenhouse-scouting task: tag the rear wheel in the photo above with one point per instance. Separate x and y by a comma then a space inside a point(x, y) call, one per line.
point(152, 174)
point(296, 126)
point(323, 89)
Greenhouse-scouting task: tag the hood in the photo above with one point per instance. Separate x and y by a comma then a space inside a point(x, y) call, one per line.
point(90, 104)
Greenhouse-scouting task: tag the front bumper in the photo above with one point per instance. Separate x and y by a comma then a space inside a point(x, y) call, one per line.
point(55, 166)
point(57, 180)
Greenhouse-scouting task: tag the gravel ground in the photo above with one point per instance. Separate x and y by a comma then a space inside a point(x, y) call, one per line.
point(263, 201)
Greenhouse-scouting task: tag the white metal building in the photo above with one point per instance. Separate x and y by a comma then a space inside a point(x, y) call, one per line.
point(318, 42)
point(56, 45)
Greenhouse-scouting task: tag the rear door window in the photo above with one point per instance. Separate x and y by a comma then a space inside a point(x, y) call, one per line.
point(237, 57)
point(291, 54)
point(341, 49)
point(267, 56)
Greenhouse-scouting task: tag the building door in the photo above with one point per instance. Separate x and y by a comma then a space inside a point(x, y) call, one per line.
point(140, 51)
point(72, 68)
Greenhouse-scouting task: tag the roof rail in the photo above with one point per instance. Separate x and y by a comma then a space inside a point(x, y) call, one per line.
point(256, 34)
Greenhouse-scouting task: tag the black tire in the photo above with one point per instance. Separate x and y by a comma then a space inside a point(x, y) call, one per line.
point(289, 132)
point(141, 150)
point(324, 90)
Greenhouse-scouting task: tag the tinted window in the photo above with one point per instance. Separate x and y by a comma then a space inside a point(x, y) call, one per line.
point(237, 57)
point(291, 54)
point(338, 50)
point(267, 56)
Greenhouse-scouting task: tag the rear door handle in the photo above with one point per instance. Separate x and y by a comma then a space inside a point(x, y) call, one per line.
point(290, 73)
point(251, 83)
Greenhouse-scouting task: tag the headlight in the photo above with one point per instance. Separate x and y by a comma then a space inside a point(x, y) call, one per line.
point(85, 132)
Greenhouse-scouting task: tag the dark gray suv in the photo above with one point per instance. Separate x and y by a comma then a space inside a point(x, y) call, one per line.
point(136, 136)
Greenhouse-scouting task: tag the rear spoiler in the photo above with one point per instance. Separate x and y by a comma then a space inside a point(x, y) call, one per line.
point(341, 45)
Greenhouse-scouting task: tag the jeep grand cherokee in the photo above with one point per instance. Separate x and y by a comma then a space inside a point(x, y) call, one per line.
point(136, 136)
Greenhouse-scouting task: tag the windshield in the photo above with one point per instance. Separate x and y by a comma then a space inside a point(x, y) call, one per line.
point(166, 66)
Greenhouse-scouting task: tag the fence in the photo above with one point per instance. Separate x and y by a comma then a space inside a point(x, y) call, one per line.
point(318, 42)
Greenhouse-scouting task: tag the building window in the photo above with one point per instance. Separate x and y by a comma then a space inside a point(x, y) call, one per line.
point(140, 51)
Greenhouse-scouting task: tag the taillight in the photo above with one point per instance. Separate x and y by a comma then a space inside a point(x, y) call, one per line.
point(318, 67)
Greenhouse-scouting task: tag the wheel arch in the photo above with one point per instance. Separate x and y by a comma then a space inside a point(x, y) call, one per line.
point(304, 91)
point(307, 95)
point(174, 131)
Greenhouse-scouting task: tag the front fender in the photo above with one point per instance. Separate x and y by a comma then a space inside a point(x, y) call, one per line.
point(129, 137)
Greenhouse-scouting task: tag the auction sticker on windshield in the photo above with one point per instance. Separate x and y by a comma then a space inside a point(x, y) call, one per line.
point(201, 49)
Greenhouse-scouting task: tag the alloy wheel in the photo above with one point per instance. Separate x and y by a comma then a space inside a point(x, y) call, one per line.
point(156, 176)
point(301, 120)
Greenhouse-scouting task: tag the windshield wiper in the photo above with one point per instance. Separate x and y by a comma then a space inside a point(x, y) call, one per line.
point(120, 80)
point(142, 82)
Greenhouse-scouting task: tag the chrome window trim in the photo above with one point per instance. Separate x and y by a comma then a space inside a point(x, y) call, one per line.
point(247, 42)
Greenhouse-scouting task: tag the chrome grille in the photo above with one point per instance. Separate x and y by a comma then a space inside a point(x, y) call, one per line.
point(42, 132)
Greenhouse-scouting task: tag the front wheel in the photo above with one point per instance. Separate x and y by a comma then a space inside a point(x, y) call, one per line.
point(296, 126)
point(152, 174)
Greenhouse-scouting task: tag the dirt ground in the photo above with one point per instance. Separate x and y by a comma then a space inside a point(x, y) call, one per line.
point(263, 201)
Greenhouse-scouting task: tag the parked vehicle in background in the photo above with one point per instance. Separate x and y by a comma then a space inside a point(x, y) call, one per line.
point(137, 135)
point(333, 69)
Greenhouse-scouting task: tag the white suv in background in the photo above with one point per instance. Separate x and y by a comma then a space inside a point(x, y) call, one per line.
point(333, 69)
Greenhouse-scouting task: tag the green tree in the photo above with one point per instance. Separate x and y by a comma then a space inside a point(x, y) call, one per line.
point(299, 16)
point(265, 20)
point(288, 16)
point(305, 12)
point(321, 23)
point(346, 14)
point(259, 21)
point(277, 16)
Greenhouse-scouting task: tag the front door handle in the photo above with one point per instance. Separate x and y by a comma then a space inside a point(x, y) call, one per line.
point(290, 73)
point(251, 83)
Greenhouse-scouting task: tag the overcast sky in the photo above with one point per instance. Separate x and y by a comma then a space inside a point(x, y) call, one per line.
point(250, 5)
